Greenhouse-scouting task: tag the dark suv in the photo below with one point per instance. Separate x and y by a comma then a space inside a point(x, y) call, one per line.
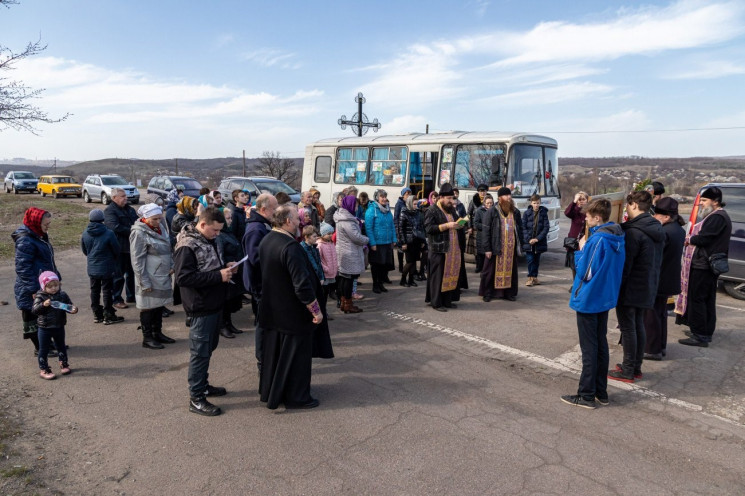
point(255, 185)
point(161, 185)
point(733, 195)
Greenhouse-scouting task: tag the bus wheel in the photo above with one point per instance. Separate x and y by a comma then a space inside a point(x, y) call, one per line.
point(735, 289)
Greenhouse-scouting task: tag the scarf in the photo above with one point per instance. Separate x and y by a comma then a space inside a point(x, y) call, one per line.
point(32, 219)
point(681, 302)
point(172, 196)
point(156, 229)
point(349, 203)
point(187, 206)
point(384, 208)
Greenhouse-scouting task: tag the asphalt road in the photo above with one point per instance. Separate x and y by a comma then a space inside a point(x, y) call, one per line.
point(415, 402)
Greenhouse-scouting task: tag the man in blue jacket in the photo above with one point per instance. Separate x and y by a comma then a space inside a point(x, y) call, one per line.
point(599, 263)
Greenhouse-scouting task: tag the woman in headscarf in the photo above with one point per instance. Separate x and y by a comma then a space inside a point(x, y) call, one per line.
point(217, 199)
point(152, 262)
point(316, 202)
point(187, 210)
point(230, 250)
point(350, 243)
point(34, 255)
point(174, 196)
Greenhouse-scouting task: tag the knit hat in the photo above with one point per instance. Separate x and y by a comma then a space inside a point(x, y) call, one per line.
point(482, 187)
point(446, 190)
point(32, 219)
point(405, 190)
point(96, 215)
point(666, 206)
point(712, 193)
point(45, 277)
point(326, 229)
point(504, 191)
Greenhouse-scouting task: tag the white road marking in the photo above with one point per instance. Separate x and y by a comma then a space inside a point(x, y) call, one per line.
point(557, 364)
point(732, 308)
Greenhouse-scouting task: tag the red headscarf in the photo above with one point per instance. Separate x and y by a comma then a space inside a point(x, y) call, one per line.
point(32, 220)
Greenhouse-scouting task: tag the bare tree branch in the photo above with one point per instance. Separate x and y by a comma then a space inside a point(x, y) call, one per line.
point(16, 108)
point(284, 169)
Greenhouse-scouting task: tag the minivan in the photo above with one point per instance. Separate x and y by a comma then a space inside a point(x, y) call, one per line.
point(733, 195)
point(161, 185)
point(255, 185)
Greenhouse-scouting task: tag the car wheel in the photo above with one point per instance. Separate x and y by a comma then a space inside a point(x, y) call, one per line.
point(5, 187)
point(135, 202)
point(15, 190)
point(735, 289)
point(104, 199)
point(79, 195)
point(55, 194)
point(86, 197)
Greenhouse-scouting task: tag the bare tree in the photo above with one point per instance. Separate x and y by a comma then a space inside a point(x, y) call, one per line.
point(16, 108)
point(284, 169)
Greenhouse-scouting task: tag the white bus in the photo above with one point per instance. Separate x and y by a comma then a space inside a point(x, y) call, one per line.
point(423, 162)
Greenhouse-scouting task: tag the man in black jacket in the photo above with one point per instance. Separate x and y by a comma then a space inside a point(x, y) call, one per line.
point(400, 206)
point(713, 237)
point(641, 275)
point(202, 276)
point(655, 320)
point(120, 217)
point(241, 198)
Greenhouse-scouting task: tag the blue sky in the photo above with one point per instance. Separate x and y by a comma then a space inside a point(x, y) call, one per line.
point(162, 79)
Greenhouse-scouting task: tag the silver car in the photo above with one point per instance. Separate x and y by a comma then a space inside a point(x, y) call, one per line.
point(98, 187)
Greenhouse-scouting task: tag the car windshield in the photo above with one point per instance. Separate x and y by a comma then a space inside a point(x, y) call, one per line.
point(62, 180)
point(186, 184)
point(24, 175)
point(114, 181)
point(274, 187)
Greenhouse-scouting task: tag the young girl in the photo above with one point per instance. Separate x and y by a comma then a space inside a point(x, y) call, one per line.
point(329, 260)
point(51, 306)
point(321, 338)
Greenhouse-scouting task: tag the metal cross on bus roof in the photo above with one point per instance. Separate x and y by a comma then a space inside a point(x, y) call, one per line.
point(359, 123)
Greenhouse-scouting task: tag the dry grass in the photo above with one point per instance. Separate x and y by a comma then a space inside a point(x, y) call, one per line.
point(68, 220)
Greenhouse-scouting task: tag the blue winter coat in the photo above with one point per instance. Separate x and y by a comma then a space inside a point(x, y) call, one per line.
point(541, 232)
point(256, 228)
point(34, 255)
point(100, 246)
point(379, 226)
point(599, 270)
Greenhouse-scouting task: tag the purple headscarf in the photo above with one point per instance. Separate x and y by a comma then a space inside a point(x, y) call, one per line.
point(349, 203)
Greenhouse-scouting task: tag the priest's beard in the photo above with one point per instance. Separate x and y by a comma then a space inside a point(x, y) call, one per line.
point(705, 211)
point(506, 205)
point(447, 209)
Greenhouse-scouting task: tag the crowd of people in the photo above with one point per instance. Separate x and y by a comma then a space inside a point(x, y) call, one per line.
point(288, 261)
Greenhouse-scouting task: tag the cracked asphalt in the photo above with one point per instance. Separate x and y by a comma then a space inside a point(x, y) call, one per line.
point(415, 402)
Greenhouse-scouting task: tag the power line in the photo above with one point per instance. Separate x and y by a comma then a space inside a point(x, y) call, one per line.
point(647, 130)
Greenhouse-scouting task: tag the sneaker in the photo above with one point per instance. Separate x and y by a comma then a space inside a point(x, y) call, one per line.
point(637, 373)
point(536, 282)
point(693, 342)
point(215, 391)
point(112, 319)
point(617, 375)
point(577, 400)
point(358, 296)
point(602, 401)
point(64, 368)
point(201, 406)
point(47, 374)
point(97, 319)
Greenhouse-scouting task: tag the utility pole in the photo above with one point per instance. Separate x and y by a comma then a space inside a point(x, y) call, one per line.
point(176, 166)
point(244, 163)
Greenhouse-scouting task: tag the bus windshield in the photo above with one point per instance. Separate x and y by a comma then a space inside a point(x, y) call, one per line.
point(532, 170)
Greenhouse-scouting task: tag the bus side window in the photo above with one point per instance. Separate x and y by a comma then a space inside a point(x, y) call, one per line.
point(351, 166)
point(323, 169)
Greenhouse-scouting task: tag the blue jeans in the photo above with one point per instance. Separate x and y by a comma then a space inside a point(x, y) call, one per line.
point(593, 341)
point(46, 336)
point(204, 334)
point(534, 259)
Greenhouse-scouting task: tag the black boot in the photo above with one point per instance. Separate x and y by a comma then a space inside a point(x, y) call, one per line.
point(148, 341)
point(411, 279)
point(112, 318)
point(162, 338)
point(403, 280)
point(229, 325)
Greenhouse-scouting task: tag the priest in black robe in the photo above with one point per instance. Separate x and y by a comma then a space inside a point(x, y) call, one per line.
point(288, 313)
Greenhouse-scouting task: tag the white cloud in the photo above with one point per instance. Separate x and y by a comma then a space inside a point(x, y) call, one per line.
point(405, 124)
point(550, 94)
point(270, 57)
point(712, 69)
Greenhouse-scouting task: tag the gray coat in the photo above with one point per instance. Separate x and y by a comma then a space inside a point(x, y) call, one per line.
point(152, 262)
point(350, 243)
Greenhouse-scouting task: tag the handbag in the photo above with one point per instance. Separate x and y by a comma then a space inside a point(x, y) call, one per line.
point(719, 264)
point(571, 243)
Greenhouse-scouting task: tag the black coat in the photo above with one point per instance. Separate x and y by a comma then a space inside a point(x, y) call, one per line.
point(491, 230)
point(120, 220)
point(230, 250)
point(101, 248)
point(286, 286)
point(409, 227)
point(438, 241)
point(541, 229)
point(202, 292)
point(48, 317)
point(328, 217)
point(257, 227)
point(712, 238)
point(641, 269)
point(238, 222)
point(675, 237)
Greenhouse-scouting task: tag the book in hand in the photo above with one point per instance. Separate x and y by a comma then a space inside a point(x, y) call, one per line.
point(462, 222)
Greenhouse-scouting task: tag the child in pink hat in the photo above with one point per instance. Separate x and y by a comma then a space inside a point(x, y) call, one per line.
point(51, 306)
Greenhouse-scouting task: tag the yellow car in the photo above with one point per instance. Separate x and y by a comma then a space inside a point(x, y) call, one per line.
point(59, 186)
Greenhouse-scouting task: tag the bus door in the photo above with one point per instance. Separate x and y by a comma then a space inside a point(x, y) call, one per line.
point(421, 178)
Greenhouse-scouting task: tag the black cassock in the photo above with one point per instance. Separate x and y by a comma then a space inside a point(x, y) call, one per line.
point(287, 287)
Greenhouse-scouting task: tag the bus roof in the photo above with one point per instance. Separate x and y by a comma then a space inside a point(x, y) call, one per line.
point(445, 137)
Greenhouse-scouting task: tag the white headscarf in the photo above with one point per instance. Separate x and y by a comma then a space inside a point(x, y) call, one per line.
point(149, 210)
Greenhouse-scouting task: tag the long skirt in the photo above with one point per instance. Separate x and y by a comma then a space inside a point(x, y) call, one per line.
point(435, 295)
point(286, 368)
point(321, 337)
point(486, 287)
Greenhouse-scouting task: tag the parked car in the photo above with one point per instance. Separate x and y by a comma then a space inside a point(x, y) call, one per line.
point(98, 187)
point(255, 185)
point(733, 194)
point(57, 185)
point(17, 181)
point(161, 185)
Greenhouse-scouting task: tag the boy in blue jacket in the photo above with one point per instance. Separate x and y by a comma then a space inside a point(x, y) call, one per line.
point(599, 263)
